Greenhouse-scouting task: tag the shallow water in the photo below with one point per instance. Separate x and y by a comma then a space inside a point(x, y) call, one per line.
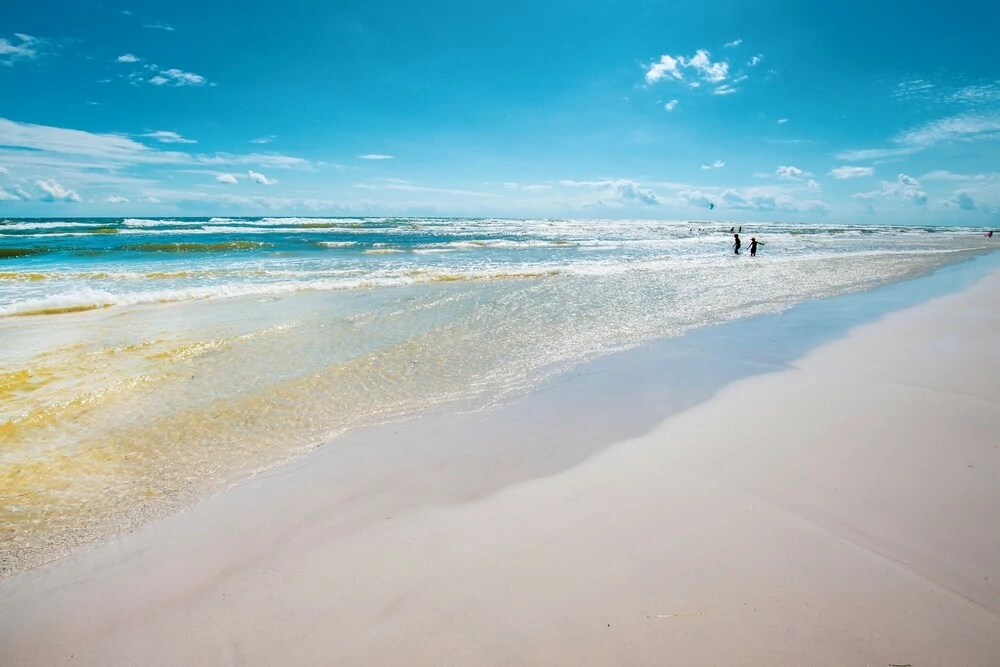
point(144, 363)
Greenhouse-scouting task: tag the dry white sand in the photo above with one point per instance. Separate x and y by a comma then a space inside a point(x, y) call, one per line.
point(844, 512)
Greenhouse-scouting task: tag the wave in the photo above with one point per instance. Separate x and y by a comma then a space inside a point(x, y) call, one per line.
point(224, 246)
point(47, 225)
point(13, 253)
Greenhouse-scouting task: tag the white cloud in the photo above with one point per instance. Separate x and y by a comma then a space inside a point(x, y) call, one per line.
point(376, 156)
point(260, 178)
point(782, 121)
point(876, 153)
point(844, 172)
point(963, 201)
point(718, 164)
point(127, 58)
point(725, 89)
point(124, 12)
point(734, 43)
point(621, 188)
point(536, 188)
point(159, 25)
point(965, 127)
point(263, 140)
point(710, 72)
point(176, 77)
point(812, 184)
point(751, 199)
point(904, 187)
point(17, 193)
point(27, 48)
point(151, 200)
point(116, 199)
point(671, 105)
point(510, 184)
point(406, 187)
point(944, 175)
point(167, 137)
point(55, 192)
point(668, 67)
point(970, 127)
point(226, 178)
point(755, 60)
point(790, 173)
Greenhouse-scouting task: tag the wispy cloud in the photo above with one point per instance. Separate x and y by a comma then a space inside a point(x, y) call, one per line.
point(846, 172)
point(176, 77)
point(127, 58)
point(260, 178)
point(671, 105)
point(376, 156)
point(54, 192)
point(756, 60)
point(734, 43)
point(718, 164)
point(264, 140)
point(226, 178)
point(725, 89)
point(21, 47)
point(158, 25)
point(782, 121)
point(167, 137)
point(969, 127)
point(407, 187)
point(116, 199)
point(536, 188)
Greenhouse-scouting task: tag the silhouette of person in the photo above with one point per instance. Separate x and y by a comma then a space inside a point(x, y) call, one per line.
point(732, 229)
point(989, 234)
point(736, 243)
point(753, 246)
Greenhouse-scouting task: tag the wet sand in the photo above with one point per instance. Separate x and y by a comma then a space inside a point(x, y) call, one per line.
point(843, 511)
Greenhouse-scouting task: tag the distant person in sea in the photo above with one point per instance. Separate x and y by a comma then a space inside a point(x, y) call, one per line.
point(989, 234)
point(753, 246)
point(732, 229)
point(736, 243)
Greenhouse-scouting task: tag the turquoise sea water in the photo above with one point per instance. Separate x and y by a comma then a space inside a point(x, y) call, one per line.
point(146, 362)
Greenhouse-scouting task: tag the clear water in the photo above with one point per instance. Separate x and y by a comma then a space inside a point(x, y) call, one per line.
point(144, 363)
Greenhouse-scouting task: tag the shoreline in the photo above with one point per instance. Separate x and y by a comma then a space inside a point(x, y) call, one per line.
point(422, 488)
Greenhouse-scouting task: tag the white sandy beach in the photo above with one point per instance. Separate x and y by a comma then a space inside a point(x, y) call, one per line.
point(843, 512)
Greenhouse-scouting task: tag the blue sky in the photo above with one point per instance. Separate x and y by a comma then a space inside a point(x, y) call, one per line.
point(839, 112)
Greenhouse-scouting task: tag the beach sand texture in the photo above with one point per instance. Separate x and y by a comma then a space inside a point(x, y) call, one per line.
point(842, 512)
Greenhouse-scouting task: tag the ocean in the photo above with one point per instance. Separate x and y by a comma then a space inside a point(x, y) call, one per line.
point(146, 363)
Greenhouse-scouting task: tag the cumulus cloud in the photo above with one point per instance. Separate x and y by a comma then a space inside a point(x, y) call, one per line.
point(116, 199)
point(963, 201)
point(669, 67)
point(851, 172)
point(790, 173)
point(620, 188)
point(751, 200)
point(734, 43)
point(671, 105)
point(54, 192)
point(904, 187)
point(176, 77)
point(227, 178)
point(376, 156)
point(665, 68)
point(812, 184)
point(718, 164)
point(21, 47)
point(127, 58)
point(167, 137)
point(260, 178)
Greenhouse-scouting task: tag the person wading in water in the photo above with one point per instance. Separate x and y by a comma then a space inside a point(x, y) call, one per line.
point(736, 244)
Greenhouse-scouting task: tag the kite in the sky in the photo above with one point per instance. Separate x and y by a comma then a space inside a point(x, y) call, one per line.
point(711, 205)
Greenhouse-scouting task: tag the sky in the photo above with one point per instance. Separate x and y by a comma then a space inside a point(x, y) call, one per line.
point(885, 112)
